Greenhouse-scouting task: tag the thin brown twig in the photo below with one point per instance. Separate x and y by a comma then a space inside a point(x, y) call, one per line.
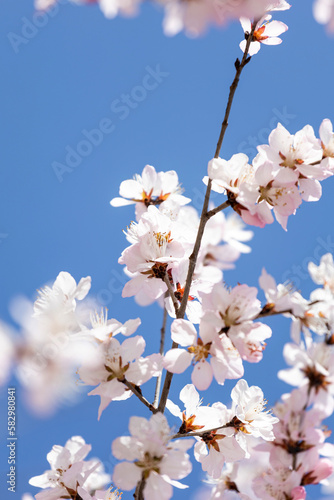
point(199, 433)
point(161, 351)
point(204, 215)
point(215, 210)
point(139, 395)
point(239, 66)
point(138, 494)
point(171, 293)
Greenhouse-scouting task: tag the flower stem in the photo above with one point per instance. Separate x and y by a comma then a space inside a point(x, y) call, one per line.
point(205, 215)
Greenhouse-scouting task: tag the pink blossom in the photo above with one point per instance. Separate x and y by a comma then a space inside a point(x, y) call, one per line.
point(156, 243)
point(266, 32)
point(112, 362)
point(210, 355)
point(323, 11)
point(69, 471)
point(149, 453)
point(159, 189)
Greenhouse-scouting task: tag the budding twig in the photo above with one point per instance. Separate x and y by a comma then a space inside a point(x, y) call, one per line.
point(161, 351)
point(205, 215)
point(139, 395)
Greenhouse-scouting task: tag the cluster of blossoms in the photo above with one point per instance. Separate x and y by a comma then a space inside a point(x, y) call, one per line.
point(227, 335)
point(162, 239)
point(192, 17)
point(282, 175)
point(195, 17)
point(51, 344)
point(246, 451)
point(73, 477)
point(225, 434)
point(287, 452)
point(297, 455)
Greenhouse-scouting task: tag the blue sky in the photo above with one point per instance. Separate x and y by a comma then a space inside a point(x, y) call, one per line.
point(66, 78)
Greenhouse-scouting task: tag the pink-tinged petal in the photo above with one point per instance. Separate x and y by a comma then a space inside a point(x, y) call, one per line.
point(174, 409)
point(326, 131)
point(267, 282)
point(252, 220)
point(149, 178)
point(78, 448)
point(246, 24)
point(66, 283)
point(280, 139)
point(190, 397)
point(286, 176)
point(322, 470)
point(131, 189)
point(129, 327)
point(124, 448)
point(144, 368)
point(313, 171)
point(177, 360)
point(310, 189)
point(174, 483)
point(42, 481)
point(183, 332)
point(133, 286)
point(132, 348)
point(126, 476)
point(202, 375)
point(275, 28)
point(231, 367)
point(103, 404)
point(156, 487)
point(177, 464)
point(298, 493)
point(194, 311)
point(253, 48)
point(282, 219)
point(120, 202)
point(272, 41)
point(83, 288)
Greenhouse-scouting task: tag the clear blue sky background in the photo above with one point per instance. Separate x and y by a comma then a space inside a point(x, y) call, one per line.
point(63, 80)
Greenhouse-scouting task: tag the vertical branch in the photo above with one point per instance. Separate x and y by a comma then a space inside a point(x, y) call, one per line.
point(138, 494)
point(239, 66)
point(161, 351)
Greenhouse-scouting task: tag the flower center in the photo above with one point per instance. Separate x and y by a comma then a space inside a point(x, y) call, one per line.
point(148, 464)
point(200, 350)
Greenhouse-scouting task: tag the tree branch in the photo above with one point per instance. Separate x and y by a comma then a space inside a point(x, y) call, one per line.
point(199, 433)
point(139, 395)
point(161, 351)
point(239, 66)
point(205, 214)
point(138, 494)
point(171, 294)
point(214, 211)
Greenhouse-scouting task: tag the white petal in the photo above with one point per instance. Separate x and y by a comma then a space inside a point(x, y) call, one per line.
point(183, 332)
point(126, 476)
point(202, 375)
point(120, 202)
point(177, 360)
